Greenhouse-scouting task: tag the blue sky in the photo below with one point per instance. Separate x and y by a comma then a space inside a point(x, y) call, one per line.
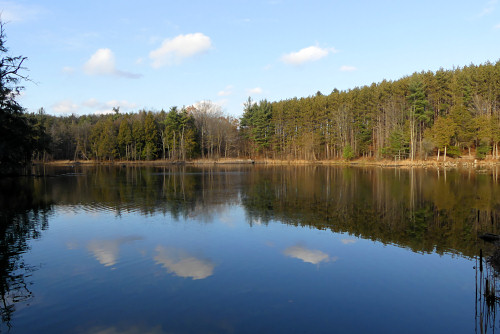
point(88, 56)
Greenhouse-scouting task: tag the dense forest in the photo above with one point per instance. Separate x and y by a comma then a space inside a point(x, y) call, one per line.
point(428, 114)
point(445, 113)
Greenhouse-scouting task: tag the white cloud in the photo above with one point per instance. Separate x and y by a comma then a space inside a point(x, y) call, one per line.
point(102, 62)
point(102, 108)
point(488, 8)
point(123, 104)
point(91, 103)
point(104, 112)
point(497, 26)
point(182, 264)
point(254, 91)
point(173, 51)
point(346, 68)
point(209, 107)
point(226, 92)
point(222, 102)
point(313, 256)
point(68, 70)
point(311, 53)
point(65, 107)
point(15, 12)
point(348, 241)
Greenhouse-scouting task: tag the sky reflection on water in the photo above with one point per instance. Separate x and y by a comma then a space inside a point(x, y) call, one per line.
point(222, 253)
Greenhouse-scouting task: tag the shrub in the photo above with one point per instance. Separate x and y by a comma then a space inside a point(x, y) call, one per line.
point(482, 151)
point(453, 152)
point(348, 152)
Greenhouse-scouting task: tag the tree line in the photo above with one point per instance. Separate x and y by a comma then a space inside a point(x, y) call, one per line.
point(427, 114)
point(177, 134)
point(448, 112)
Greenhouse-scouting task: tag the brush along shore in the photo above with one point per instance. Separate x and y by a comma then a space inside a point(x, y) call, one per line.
point(450, 162)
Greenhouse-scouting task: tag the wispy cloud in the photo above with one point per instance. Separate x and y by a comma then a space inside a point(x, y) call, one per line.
point(101, 108)
point(91, 103)
point(305, 55)
point(15, 12)
point(68, 70)
point(65, 107)
point(313, 256)
point(346, 68)
point(102, 62)
point(174, 51)
point(488, 8)
point(226, 92)
point(496, 26)
point(255, 91)
point(222, 102)
point(348, 241)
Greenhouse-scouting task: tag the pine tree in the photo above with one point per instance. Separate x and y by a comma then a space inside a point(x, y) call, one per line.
point(18, 137)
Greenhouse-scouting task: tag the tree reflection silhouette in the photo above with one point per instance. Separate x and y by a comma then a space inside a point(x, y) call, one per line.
point(418, 209)
point(23, 215)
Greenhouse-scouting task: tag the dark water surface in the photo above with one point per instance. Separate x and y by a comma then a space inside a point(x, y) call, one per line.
point(245, 250)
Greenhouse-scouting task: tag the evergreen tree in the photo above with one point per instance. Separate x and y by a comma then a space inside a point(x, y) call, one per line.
point(125, 139)
point(138, 138)
point(441, 133)
point(151, 137)
point(18, 136)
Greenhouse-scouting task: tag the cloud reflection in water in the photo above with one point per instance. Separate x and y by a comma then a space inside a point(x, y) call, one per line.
point(182, 264)
point(107, 251)
point(313, 256)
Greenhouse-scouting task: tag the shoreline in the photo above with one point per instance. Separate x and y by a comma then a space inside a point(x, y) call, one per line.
point(361, 162)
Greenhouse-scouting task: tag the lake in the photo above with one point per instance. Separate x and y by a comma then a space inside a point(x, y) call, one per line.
point(247, 249)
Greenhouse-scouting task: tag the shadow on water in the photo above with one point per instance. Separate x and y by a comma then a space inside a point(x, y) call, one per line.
point(23, 216)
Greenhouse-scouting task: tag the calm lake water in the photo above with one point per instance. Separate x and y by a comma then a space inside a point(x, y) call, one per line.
point(246, 249)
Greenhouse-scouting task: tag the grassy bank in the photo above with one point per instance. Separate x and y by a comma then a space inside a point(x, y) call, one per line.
point(449, 163)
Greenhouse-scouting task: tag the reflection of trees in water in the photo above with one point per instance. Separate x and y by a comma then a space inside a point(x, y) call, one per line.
point(177, 190)
point(23, 215)
point(424, 210)
point(420, 209)
point(487, 292)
